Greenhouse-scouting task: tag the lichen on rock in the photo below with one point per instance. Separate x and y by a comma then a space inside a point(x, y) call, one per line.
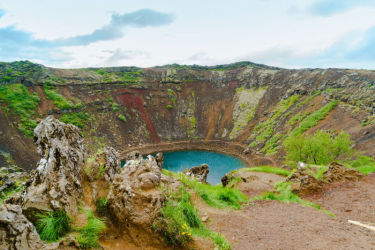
point(134, 195)
point(200, 172)
point(56, 182)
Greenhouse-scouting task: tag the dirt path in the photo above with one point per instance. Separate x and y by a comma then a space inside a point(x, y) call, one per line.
point(276, 225)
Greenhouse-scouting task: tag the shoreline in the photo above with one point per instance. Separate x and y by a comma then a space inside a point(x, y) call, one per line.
point(224, 147)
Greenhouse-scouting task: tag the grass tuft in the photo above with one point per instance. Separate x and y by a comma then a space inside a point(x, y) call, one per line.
point(51, 226)
point(268, 169)
point(89, 234)
point(180, 221)
point(215, 196)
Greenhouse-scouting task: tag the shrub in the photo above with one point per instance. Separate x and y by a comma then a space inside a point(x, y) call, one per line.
point(89, 235)
point(51, 226)
point(122, 117)
point(115, 107)
point(319, 149)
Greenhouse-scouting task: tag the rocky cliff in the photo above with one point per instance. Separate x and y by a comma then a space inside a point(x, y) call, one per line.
point(252, 105)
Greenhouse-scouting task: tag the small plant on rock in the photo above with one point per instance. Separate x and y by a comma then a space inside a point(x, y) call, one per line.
point(101, 206)
point(51, 226)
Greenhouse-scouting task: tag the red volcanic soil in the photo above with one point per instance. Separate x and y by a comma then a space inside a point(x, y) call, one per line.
point(132, 100)
point(276, 225)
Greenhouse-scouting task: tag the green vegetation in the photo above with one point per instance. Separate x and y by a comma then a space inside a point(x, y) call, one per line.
point(16, 188)
point(59, 100)
point(115, 107)
point(122, 117)
point(215, 196)
point(169, 107)
point(265, 129)
point(316, 170)
point(16, 71)
point(314, 118)
point(272, 145)
point(319, 149)
point(180, 221)
point(89, 234)
point(363, 164)
point(101, 206)
point(132, 77)
point(51, 226)
point(78, 118)
point(284, 194)
point(22, 103)
point(268, 169)
point(308, 99)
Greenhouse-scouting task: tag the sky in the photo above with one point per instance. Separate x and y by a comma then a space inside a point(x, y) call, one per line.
point(145, 33)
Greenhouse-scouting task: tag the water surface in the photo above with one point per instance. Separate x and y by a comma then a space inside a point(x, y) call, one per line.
point(219, 164)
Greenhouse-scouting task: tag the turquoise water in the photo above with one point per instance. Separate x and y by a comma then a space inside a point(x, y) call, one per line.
point(219, 164)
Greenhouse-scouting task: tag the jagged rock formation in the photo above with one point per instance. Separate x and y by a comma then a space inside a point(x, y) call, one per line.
point(243, 103)
point(56, 182)
point(200, 172)
point(105, 165)
point(304, 183)
point(337, 172)
point(134, 196)
point(16, 231)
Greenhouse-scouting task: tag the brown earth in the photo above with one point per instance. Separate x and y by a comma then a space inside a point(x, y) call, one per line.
point(276, 225)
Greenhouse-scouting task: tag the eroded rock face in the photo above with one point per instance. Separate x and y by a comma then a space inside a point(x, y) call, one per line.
point(305, 184)
point(106, 165)
point(200, 172)
point(337, 172)
point(56, 182)
point(16, 232)
point(134, 197)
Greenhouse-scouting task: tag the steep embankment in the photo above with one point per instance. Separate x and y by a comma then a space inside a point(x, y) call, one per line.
point(251, 105)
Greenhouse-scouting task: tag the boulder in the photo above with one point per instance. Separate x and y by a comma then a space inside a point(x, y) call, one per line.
point(200, 173)
point(16, 232)
point(337, 172)
point(134, 196)
point(56, 182)
point(160, 159)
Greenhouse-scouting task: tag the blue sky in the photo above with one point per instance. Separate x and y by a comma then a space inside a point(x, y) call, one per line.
point(288, 33)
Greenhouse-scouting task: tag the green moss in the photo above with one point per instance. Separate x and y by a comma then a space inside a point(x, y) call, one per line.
point(22, 103)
